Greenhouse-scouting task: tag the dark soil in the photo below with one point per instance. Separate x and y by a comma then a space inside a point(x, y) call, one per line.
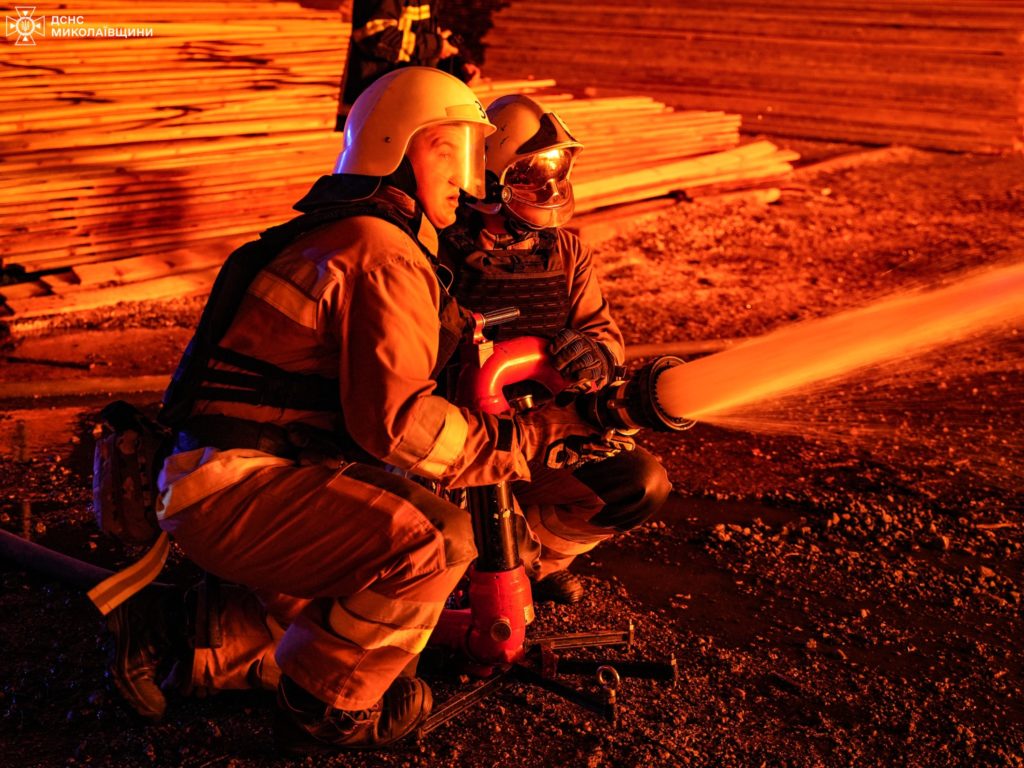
point(830, 600)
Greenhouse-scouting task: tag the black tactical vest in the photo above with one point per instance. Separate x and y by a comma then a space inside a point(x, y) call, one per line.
point(531, 279)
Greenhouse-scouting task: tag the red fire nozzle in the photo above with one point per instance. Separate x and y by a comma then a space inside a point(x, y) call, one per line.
point(626, 404)
point(524, 358)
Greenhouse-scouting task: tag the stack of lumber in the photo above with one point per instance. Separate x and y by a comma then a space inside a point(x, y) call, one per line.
point(151, 146)
point(945, 74)
point(136, 165)
point(636, 148)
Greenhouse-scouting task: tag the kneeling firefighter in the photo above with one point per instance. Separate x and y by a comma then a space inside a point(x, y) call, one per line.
point(314, 368)
point(508, 249)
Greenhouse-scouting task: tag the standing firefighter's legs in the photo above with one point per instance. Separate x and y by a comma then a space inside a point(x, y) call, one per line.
point(571, 511)
point(376, 554)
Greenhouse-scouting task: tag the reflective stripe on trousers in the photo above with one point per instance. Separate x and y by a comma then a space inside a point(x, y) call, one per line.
point(578, 510)
point(374, 554)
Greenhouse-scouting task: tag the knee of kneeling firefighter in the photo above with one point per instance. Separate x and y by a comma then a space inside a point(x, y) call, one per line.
point(456, 528)
point(642, 488)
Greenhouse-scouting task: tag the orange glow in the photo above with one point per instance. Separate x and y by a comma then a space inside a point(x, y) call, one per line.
point(816, 350)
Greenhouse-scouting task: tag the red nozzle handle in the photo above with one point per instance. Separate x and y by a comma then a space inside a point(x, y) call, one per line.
point(519, 359)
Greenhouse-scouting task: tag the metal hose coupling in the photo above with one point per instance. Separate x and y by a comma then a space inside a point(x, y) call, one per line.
point(632, 404)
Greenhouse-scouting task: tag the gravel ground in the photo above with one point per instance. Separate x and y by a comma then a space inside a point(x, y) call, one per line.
point(830, 598)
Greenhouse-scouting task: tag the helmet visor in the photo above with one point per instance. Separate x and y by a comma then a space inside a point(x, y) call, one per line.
point(459, 148)
point(542, 178)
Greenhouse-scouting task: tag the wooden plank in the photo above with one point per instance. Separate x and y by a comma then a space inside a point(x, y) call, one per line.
point(175, 286)
point(27, 289)
point(150, 266)
point(946, 75)
point(135, 168)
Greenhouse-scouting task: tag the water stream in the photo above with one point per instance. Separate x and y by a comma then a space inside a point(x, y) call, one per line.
point(807, 353)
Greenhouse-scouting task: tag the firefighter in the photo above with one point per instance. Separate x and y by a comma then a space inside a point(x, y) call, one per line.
point(508, 249)
point(387, 34)
point(321, 374)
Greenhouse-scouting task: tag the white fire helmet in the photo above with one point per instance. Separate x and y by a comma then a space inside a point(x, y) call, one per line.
point(529, 159)
point(386, 115)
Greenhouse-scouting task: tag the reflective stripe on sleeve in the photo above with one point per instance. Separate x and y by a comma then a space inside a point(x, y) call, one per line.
point(286, 298)
point(434, 442)
point(373, 27)
point(448, 447)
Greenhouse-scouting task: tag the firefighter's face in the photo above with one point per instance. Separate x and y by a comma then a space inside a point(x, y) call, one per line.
point(444, 160)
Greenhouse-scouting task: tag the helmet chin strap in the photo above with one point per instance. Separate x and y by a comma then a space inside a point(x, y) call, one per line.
point(403, 178)
point(516, 226)
point(489, 205)
point(501, 227)
point(488, 209)
point(513, 225)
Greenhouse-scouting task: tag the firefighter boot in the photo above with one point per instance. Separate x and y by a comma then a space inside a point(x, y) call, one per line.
point(304, 725)
point(559, 587)
point(146, 631)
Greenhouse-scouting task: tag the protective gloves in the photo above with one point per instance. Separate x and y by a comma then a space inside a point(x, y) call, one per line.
point(579, 358)
point(555, 436)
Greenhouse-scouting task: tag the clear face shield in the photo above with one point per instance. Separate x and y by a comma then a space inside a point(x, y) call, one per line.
point(459, 149)
point(537, 189)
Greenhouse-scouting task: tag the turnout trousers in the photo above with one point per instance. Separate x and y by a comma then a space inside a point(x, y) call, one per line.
point(568, 512)
point(352, 567)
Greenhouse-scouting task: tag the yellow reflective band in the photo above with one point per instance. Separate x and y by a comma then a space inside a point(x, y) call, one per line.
point(373, 27)
point(408, 38)
point(418, 450)
point(556, 536)
point(191, 476)
point(448, 447)
point(417, 13)
point(374, 606)
point(371, 635)
point(113, 591)
point(286, 298)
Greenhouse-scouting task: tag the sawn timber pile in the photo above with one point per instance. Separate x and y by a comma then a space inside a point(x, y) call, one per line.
point(135, 165)
point(138, 164)
point(942, 75)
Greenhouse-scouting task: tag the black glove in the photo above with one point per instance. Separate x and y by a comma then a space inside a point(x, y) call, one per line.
point(574, 451)
point(579, 358)
point(557, 437)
